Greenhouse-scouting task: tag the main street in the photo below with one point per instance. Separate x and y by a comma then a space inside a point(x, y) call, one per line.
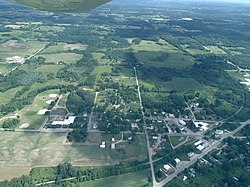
point(213, 146)
point(146, 131)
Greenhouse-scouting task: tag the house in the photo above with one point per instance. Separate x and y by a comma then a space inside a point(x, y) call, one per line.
point(184, 178)
point(167, 168)
point(218, 132)
point(113, 146)
point(190, 154)
point(155, 137)
point(177, 161)
point(198, 143)
point(182, 122)
point(103, 145)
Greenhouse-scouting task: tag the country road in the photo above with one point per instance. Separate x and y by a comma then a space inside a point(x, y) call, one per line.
point(145, 128)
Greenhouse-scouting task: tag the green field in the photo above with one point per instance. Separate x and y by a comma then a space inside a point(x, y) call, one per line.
point(135, 179)
point(49, 68)
point(183, 84)
point(68, 58)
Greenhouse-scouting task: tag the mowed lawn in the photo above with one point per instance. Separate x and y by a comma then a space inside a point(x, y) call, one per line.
point(29, 113)
point(135, 179)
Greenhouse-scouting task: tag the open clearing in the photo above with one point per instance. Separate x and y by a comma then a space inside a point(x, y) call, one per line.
point(65, 57)
point(135, 179)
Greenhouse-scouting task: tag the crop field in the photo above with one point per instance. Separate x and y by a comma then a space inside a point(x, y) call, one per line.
point(134, 179)
point(29, 114)
point(68, 58)
point(48, 149)
point(45, 149)
point(7, 173)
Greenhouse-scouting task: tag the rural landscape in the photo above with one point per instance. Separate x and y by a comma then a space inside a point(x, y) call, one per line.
point(124, 93)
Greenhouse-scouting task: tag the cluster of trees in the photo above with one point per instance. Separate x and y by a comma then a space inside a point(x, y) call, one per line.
point(66, 170)
point(79, 134)
point(10, 123)
point(235, 157)
point(80, 101)
point(173, 103)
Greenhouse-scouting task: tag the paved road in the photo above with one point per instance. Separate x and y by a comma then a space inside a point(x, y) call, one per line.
point(213, 146)
point(146, 131)
point(90, 126)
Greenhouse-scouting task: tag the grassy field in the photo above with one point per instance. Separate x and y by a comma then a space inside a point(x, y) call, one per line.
point(135, 179)
point(29, 113)
point(49, 68)
point(183, 84)
point(146, 45)
point(65, 57)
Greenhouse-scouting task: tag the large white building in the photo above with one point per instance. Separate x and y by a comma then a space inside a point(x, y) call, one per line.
point(65, 122)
